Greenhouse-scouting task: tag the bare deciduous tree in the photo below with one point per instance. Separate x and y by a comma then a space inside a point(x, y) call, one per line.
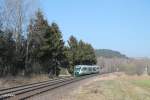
point(129, 66)
point(16, 14)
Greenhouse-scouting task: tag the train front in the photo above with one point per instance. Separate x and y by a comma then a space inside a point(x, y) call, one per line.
point(77, 70)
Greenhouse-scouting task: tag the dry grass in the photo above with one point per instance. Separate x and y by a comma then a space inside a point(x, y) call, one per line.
point(115, 86)
point(13, 81)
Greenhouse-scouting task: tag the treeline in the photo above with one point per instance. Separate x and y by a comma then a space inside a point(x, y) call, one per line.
point(106, 53)
point(40, 49)
point(80, 53)
point(130, 66)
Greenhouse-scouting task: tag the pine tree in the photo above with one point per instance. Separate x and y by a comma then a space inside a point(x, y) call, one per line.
point(37, 29)
point(52, 51)
point(7, 54)
point(72, 52)
point(73, 46)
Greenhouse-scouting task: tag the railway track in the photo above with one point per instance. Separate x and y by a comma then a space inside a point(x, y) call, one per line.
point(26, 91)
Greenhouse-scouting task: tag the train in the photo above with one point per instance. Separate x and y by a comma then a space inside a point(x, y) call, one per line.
point(80, 70)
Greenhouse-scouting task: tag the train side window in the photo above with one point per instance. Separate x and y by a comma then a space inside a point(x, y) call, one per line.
point(90, 69)
point(94, 69)
point(84, 69)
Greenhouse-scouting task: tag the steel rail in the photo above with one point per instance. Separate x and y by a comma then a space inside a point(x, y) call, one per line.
point(11, 91)
point(27, 91)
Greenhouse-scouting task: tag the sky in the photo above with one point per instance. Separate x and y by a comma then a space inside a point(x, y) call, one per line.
point(122, 25)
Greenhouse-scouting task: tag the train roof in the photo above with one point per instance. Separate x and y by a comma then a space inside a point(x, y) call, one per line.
point(77, 66)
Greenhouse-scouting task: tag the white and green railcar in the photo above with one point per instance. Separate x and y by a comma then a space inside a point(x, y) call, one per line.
point(86, 69)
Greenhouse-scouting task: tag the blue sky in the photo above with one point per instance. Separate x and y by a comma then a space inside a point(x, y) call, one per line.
point(122, 25)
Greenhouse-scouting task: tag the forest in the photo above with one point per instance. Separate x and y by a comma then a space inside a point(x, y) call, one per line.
point(31, 45)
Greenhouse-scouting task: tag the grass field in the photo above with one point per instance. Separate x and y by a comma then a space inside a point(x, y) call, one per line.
point(142, 83)
point(117, 88)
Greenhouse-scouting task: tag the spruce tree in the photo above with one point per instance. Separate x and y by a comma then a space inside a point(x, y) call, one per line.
point(53, 49)
point(37, 29)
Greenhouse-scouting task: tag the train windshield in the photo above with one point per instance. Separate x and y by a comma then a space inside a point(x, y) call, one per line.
point(77, 69)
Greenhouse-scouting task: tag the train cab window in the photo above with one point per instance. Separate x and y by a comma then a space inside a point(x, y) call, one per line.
point(77, 69)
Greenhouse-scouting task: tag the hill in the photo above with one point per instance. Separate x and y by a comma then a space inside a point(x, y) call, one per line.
point(109, 53)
